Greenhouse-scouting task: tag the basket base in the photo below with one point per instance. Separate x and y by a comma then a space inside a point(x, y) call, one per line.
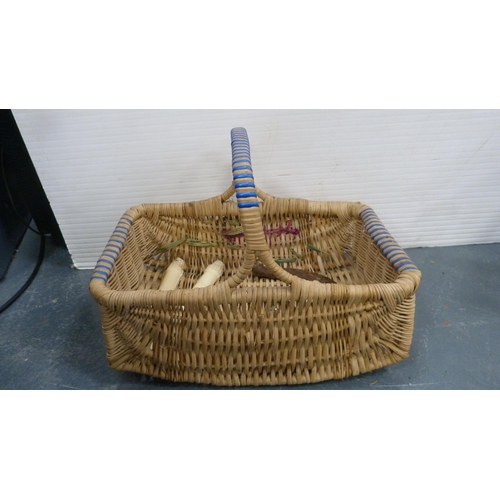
point(290, 376)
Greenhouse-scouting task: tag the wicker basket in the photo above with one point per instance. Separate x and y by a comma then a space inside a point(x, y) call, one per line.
point(245, 330)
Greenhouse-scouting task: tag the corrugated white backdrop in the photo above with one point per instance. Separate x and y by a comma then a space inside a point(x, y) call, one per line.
point(432, 176)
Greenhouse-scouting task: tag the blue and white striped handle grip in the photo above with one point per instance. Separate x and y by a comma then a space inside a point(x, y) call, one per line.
point(242, 170)
point(396, 255)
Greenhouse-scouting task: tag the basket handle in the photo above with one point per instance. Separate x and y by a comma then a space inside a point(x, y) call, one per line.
point(250, 212)
point(246, 192)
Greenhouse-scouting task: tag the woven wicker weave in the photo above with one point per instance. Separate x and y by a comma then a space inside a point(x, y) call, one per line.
point(245, 330)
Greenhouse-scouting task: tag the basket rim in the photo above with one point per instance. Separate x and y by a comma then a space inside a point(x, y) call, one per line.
point(404, 286)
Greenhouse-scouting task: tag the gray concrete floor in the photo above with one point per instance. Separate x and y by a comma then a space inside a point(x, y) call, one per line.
point(51, 338)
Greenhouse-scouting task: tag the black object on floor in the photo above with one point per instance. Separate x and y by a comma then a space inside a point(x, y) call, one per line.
point(21, 182)
point(51, 337)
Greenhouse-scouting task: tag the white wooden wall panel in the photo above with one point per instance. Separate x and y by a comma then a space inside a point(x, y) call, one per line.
point(433, 177)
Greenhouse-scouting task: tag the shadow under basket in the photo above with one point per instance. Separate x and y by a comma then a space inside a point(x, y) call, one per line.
point(245, 329)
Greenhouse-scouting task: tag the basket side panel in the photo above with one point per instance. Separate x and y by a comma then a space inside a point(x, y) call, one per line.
point(272, 340)
point(374, 265)
point(128, 271)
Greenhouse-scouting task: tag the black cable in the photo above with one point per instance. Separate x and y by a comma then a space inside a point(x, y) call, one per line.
point(41, 252)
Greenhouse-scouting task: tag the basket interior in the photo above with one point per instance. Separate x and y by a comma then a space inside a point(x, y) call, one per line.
point(339, 248)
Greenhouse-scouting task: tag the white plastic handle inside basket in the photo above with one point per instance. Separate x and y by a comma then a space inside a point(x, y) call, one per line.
point(250, 212)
